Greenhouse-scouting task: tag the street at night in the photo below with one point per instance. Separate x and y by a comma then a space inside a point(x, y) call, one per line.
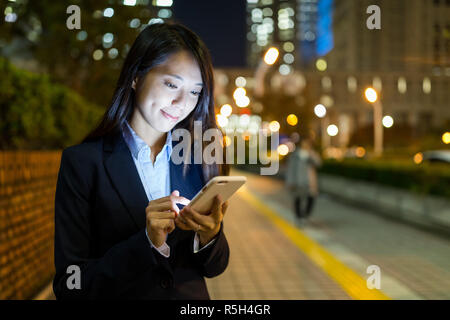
point(245, 150)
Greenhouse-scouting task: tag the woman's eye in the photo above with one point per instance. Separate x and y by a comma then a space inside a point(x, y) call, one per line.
point(196, 93)
point(170, 85)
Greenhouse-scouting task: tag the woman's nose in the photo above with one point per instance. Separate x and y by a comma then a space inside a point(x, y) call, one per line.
point(178, 101)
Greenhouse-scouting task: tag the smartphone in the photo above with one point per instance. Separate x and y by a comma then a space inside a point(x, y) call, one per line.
point(226, 186)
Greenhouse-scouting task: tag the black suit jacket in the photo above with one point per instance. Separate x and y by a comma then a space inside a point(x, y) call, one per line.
point(100, 227)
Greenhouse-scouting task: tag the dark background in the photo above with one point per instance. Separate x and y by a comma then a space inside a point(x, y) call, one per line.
point(221, 25)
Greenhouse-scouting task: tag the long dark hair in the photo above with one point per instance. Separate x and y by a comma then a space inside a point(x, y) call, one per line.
point(151, 48)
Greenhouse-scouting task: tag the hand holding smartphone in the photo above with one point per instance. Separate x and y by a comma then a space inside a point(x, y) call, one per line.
point(226, 186)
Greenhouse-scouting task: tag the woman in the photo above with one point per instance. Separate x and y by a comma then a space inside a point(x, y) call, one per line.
point(301, 177)
point(119, 232)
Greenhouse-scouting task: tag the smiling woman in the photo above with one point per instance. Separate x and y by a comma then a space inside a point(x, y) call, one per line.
point(161, 95)
point(117, 218)
point(172, 55)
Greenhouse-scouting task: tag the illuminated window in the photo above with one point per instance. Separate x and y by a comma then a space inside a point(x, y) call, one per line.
point(288, 58)
point(135, 23)
point(163, 3)
point(352, 84)
point(326, 83)
point(288, 46)
point(377, 84)
point(284, 69)
point(401, 85)
point(267, 12)
point(164, 13)
point(108, 12)
point(426, 85)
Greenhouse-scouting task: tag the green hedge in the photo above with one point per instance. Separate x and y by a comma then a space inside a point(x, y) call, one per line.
point(38, 114)
point(424, 178)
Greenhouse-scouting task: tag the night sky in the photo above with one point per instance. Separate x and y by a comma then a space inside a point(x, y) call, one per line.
point(221, 25)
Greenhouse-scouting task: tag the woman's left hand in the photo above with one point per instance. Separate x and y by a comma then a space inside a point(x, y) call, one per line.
point(207, 226)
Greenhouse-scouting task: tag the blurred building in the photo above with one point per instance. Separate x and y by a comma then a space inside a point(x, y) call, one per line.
point(300, 29)
point(271, 23)
point(414, 37)
point(407, 60)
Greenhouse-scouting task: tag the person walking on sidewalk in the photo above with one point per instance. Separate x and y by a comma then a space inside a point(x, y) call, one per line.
point(301, 177)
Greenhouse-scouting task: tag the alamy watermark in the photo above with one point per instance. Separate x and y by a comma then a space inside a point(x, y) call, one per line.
point(74, 20)
point(374, 20)
point(74, 280)
point(374, 280)
point(234, 143)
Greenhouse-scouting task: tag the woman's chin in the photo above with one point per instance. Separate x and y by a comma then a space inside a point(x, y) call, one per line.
point(165, 126)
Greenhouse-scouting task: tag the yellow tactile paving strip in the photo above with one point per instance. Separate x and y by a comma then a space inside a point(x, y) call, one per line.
point(350, 281)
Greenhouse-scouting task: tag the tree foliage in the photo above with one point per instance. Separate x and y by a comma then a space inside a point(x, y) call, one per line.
point(39, 114)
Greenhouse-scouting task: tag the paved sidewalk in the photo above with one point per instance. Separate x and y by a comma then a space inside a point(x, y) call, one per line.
point(265, 264)
point(414, 263)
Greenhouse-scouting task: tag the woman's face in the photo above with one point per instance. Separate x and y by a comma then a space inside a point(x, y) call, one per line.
point(169, 92)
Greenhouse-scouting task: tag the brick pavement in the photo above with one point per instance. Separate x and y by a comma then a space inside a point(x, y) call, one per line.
point(265, 264)
point(416, 259)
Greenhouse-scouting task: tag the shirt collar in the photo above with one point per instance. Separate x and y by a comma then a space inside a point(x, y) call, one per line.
point(136, 144)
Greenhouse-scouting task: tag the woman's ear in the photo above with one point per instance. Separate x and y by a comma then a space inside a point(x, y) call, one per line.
point(133, 84)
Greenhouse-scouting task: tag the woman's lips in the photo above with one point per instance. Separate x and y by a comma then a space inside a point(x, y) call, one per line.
point(168, 116)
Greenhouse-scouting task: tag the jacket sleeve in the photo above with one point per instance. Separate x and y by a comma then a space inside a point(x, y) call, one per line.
point(213, 260)
point(104, 277)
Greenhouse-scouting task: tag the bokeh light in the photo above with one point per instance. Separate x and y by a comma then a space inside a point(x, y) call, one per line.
point(321, 64)
point(332, 130)
point(292, 119)
point(271, 56)
point(283, 149)
point(320, 110)
point(418, 158)
point(226, 110)
point(221, 120)
point(371, 95)
point(446, 137)
point(239, 92)
point(387, 121)
point(274, 126)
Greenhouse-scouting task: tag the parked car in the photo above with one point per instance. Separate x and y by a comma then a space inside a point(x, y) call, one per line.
point(437, 156)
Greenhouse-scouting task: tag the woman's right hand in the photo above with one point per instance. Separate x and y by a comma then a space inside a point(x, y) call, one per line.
point(161, 214)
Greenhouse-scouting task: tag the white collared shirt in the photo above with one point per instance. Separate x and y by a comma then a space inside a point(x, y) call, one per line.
point(155, 177)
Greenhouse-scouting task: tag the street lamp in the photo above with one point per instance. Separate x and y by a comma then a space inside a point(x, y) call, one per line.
point(270, 57)
point(274, 126)
point(371, 96)
point(446, 138)
point(226, 110)
point(292, 119)
point(332, 130)
point(321, 112)
point(388, 121)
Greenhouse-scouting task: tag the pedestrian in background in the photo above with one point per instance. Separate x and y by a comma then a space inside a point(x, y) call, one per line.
point(301, 177)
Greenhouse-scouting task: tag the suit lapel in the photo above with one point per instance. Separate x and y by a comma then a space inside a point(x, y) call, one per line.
point(122, 171)
point(125, 178)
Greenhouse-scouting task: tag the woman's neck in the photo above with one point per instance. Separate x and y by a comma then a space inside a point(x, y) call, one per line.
point(153, 138)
